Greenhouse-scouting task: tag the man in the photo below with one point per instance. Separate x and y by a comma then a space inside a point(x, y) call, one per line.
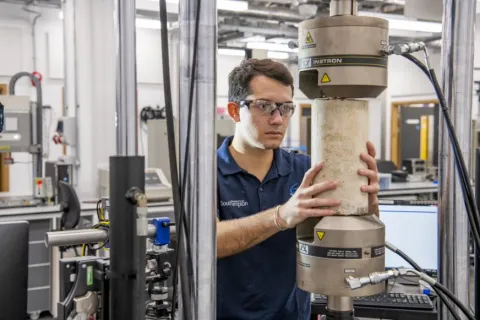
point(263, 193)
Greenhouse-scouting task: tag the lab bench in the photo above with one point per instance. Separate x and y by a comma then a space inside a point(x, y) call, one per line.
point(381, 311)
point(424, 190)
point(42, 261)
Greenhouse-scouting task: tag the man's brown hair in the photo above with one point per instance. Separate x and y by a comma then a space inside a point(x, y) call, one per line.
point(240, 77)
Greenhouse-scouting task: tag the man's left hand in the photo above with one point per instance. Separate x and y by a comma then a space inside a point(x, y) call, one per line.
point(372, 174)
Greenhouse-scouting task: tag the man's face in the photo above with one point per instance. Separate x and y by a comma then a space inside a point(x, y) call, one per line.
point(264, 130)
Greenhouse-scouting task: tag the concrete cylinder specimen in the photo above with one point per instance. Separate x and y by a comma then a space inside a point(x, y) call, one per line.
point(339, 136)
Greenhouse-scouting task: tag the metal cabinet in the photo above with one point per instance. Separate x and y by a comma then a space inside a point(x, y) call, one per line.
point(43, 261)
point(40, 258)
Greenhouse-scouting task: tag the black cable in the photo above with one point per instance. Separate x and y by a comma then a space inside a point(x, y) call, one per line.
point(98, 210)
point(176, 190)
point(189, 125)
point(408, 259)
point(90, 247)
point(456, 146)
point(468, 195)
point(461, 166)
point(450, 295)
point(182, 221)
point(447, 303)
point(418, 63)
point(470, 204)
point(99, 248)
point(68, 301)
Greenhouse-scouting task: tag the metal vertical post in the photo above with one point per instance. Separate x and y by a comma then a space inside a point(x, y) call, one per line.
point(457, 80)
point(477, 253)
point(70, 69)
point(127, 170)
point(200, 197)
point(126, 119)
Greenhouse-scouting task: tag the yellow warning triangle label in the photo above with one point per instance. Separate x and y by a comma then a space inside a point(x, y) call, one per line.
point(320, 234)
point(325, 78)
point(308, 38)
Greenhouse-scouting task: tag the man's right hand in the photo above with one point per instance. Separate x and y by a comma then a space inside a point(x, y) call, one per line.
point(303, 204)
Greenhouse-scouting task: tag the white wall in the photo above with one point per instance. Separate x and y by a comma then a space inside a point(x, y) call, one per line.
point(17, 55)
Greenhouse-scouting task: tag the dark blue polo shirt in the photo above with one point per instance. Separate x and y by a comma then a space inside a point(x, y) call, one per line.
point(259, 283)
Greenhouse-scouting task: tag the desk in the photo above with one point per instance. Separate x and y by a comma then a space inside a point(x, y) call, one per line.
point(318, 308)
point(381, 313)
point(402, 190)
point(43, 262)
point(36, 213)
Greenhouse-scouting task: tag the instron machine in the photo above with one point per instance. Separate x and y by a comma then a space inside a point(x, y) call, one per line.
point(341, 61)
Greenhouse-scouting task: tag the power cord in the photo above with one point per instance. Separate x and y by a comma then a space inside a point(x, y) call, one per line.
point(186, 269)
point(100, 212)
point(437, 290)
point(103, 224)
point(406, 50)
point(189, 126)
point(467, 190)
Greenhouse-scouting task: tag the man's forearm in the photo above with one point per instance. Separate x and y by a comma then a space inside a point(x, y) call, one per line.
point(235, 236)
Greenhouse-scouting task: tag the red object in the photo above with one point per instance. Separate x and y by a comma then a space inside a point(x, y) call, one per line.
point(57, 139)
point(38, 75)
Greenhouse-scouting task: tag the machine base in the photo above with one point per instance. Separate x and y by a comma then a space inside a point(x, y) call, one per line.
point(338, 315)
point(335, 247)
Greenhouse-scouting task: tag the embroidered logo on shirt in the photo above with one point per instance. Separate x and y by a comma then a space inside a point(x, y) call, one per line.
point(234, 203)
point(293, 189)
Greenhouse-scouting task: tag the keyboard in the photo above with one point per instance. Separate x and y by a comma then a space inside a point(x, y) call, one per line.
point(387, 300)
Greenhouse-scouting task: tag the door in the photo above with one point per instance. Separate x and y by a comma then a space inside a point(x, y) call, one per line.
point(412, 139)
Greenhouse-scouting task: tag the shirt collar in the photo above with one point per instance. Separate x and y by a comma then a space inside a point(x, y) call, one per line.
point(227, 165)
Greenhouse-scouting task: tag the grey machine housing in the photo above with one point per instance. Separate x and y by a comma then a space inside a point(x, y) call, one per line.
point(341, 57)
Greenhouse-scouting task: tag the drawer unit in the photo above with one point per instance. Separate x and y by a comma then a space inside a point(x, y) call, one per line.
point(38, 253)
point(38, 298)
point(39, 276)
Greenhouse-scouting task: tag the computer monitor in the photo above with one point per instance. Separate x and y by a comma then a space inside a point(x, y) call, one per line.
point(13, 269)
point(414, 230)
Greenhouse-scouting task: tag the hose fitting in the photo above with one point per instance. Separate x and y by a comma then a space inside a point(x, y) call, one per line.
point(374, 278)
point(403, 48)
